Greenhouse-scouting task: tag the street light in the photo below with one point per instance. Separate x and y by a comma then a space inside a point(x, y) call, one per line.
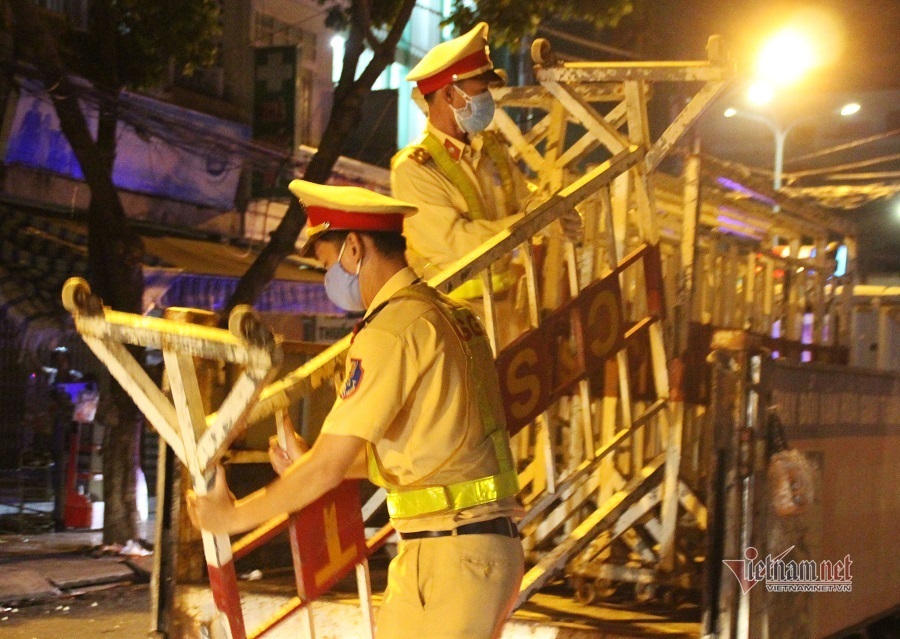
point(786, 57)
point(781, 131)
point(760, 93)
point(850, 108)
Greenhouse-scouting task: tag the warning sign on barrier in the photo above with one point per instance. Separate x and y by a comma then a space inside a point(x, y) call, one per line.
point(573, 342)
point(330, 538)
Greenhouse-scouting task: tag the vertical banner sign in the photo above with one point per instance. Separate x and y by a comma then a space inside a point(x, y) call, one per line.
point(274, 95)
point(600, 305)
point(524, 379)
point(331, 538)
point(564, 364)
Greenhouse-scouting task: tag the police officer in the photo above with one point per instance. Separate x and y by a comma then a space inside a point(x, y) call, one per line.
point(459, 174)
point(419, 412)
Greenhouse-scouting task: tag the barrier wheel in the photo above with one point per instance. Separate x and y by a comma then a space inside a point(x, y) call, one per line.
point(585, 592)
point(605, 588)
point(75, 293)
point(542, 52)
point(644, 593)
point(237, 321)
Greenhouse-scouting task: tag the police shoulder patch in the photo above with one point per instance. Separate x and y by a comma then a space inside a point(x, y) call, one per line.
point(353, 379)
point(420, 155)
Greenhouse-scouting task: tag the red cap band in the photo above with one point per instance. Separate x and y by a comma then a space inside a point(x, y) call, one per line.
point(350, 221)
point(471, 62)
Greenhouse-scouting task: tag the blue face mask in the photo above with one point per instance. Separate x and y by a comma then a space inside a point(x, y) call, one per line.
point(477, 114)
point(342, 287)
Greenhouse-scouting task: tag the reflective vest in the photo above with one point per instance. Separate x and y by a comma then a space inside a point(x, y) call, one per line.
point(432, 500)
point(460, 179)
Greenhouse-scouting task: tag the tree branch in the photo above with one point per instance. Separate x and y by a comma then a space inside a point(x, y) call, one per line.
point(386, 52)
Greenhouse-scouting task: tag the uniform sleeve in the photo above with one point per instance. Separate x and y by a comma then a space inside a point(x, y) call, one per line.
point(381, 372)
point(524, 190)
point(440, 231)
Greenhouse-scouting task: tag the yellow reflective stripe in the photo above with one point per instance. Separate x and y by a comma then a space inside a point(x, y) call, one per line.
point(456, 175)
point(500, 159)
point(434, 499)
point(415, 502)
point(473, 288)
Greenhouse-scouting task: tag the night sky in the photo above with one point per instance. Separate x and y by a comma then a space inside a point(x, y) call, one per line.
point(866, 58)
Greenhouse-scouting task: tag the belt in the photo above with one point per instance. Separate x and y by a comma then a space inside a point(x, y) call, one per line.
point(503, 526)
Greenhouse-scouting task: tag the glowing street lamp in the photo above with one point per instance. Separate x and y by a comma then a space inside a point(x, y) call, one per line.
point(850, 108)
point(786, 57)
point(760, 93)
point(781, 132)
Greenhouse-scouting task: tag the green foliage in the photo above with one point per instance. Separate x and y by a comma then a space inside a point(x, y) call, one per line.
point(510, 20)
point(340, 13)
point(133, 42)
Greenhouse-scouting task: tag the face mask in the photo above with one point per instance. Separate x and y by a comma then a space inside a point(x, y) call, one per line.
point(342, 287)
point(477, 114)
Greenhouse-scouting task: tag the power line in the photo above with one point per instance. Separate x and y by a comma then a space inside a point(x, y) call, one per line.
point(844, 147)
point(182, 133)
point(843, 167)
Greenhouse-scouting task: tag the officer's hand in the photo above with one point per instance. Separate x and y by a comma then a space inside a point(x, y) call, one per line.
point(572, 226)
point(213, 511)
point(282, 458)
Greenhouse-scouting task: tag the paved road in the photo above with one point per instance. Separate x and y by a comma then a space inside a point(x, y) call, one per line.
point(117, 613)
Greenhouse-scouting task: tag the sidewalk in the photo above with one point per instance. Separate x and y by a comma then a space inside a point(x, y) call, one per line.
point(40, 568)
point(44, 566)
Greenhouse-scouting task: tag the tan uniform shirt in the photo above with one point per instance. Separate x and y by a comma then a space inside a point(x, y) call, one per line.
point(408, 390)
point(443, 231)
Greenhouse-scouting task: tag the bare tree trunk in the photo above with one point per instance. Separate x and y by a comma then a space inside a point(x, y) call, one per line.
point(121, 420)
point(346, 110)
point(115, 253)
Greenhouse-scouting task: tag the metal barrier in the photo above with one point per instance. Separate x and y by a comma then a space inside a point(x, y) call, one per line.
point(599, 433)
point(845, 422)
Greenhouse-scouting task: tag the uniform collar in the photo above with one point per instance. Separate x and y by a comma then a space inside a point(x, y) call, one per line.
point(457, 149)
point(400, 280)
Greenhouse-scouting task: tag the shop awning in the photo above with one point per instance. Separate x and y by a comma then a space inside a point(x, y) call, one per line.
point(38, 254)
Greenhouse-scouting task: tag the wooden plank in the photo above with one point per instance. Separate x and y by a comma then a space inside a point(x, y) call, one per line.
point(490, 311)
point(229, 422)
point(216, 547)
point(588, 117)
point(585, 72)
point(520, 147)
point(146, 395)
point(602, 518)
point(192, 339)
point(692, 504)
point(682, 122)
point(669, 510)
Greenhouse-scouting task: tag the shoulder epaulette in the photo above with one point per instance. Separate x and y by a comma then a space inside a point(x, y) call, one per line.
point(415, 152)
point(420, 154)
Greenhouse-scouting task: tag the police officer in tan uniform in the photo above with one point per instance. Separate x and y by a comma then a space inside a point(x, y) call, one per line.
point(419, 412)
point(460, 175)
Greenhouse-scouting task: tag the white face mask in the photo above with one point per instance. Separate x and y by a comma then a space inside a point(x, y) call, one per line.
point(477, 114)
point(342, 287)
